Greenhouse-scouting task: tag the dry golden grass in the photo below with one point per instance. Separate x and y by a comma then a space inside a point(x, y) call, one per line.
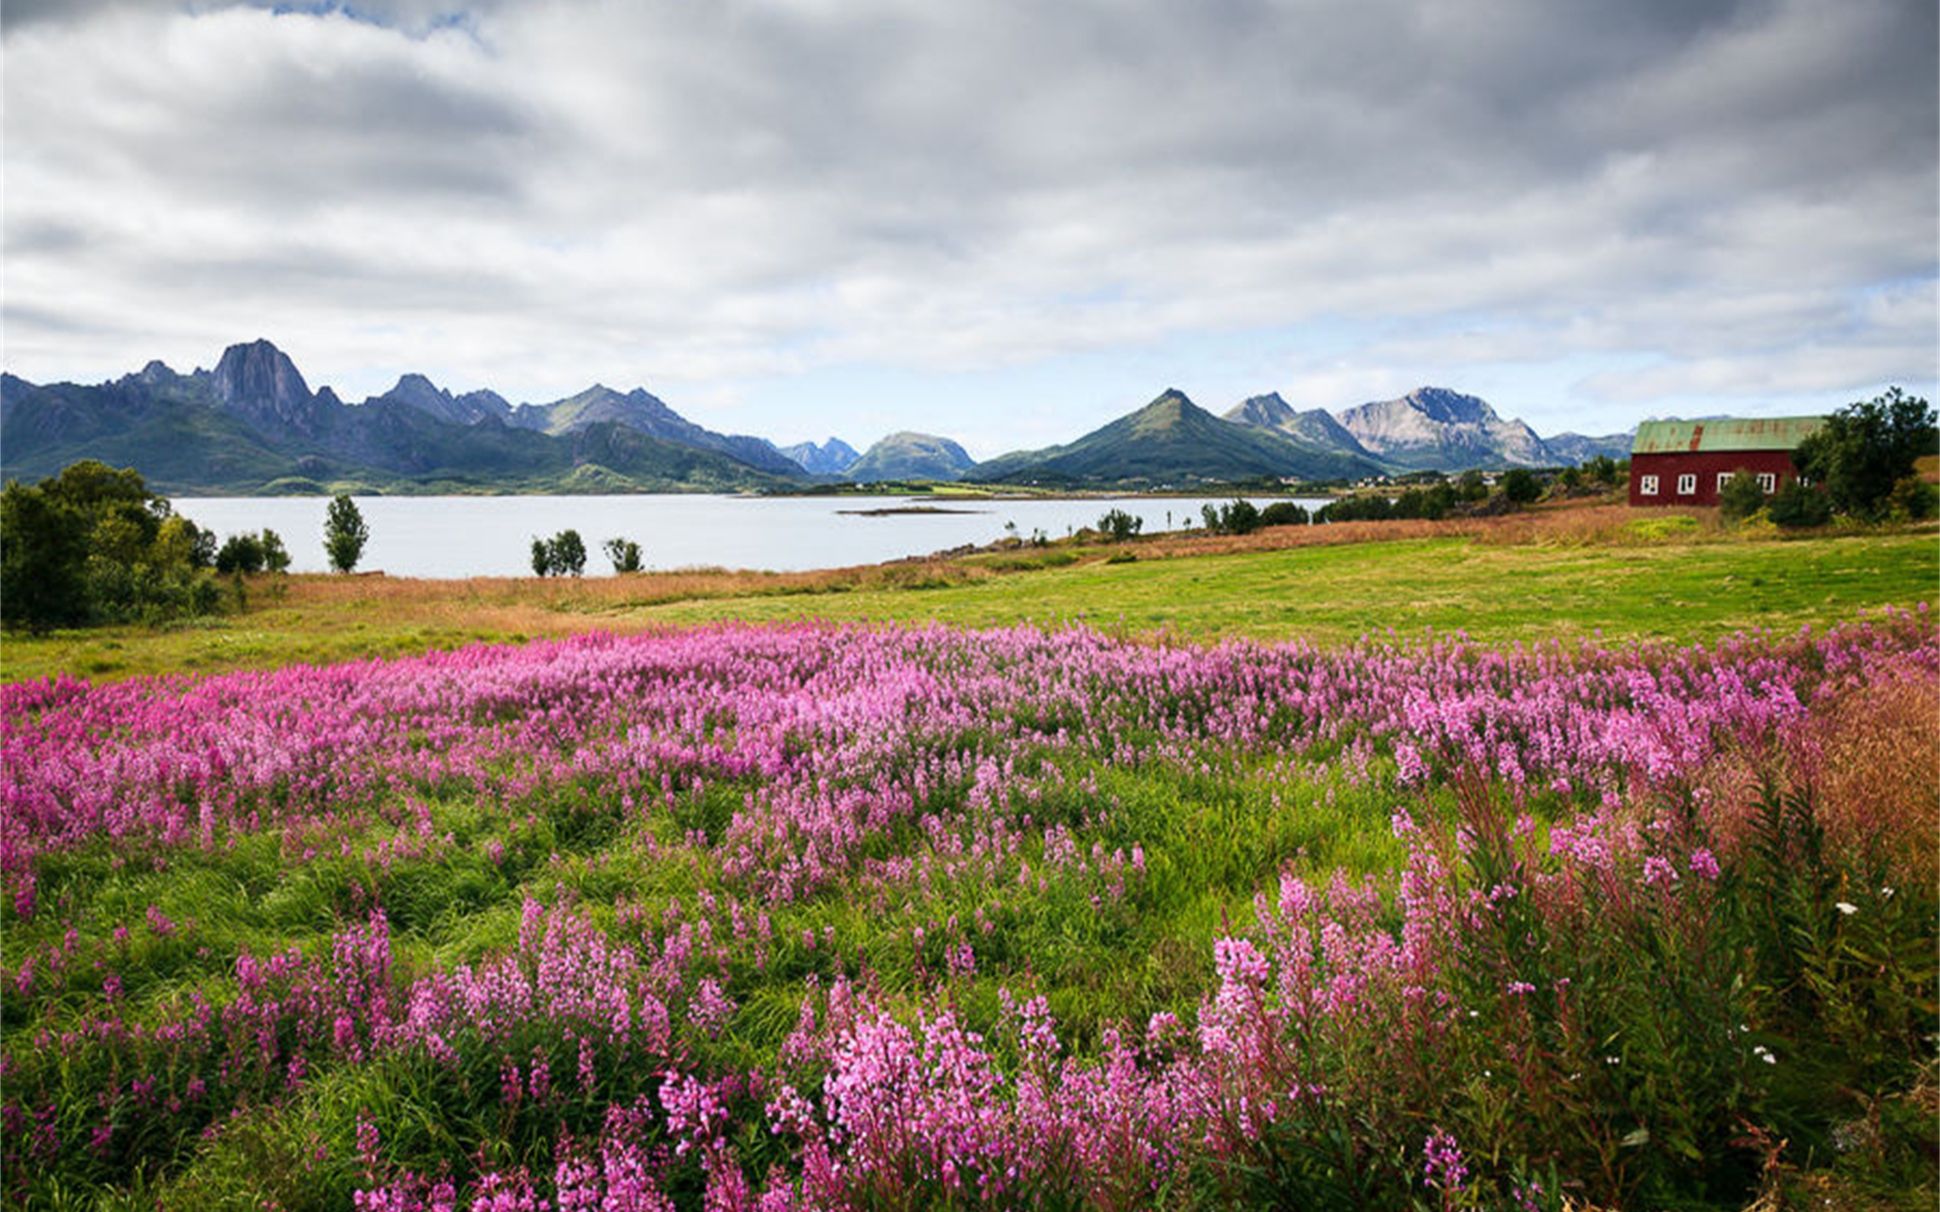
point(1874, 759)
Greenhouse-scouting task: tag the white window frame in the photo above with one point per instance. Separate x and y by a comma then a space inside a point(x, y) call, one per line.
point(1647, 486)
point(1724, 477)
point(1687, 484)
point(1768, 482)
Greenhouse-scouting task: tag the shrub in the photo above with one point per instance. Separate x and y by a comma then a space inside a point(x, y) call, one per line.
point(1118, 526)
point(344, 533)
point(1521, 486)
point(564, 554)
point(241, 553)
point(1796, 506)
point(625, 554)
point(1238, 517)
point(1285, 513)
point(1913, 500)
point(1741, 496)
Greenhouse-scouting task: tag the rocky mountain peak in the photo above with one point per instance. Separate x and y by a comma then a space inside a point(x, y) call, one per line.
point(260, 373)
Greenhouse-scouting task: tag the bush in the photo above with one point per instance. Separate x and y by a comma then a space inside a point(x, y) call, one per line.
point(344, 533)
point(1356, 509)
point(1118, 526)
point(1521, 486)
point(1741, 496)
point(1866, 448)
point(1239, 517)
point(564, 554)
point(240, 553)
point(1913, 499)
point(1797, 506)
point(93, 545)
point(1285, 513)
point(625, 554)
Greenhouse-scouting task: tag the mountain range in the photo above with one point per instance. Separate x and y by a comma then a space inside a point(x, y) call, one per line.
point(253, 425)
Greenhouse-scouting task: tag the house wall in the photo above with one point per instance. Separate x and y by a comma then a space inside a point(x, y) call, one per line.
point(1706, 467)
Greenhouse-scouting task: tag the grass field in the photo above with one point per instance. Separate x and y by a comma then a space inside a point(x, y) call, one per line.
point(1517, 579)
point(697, 907)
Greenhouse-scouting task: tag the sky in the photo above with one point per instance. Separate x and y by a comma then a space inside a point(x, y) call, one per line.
point(1003, 222)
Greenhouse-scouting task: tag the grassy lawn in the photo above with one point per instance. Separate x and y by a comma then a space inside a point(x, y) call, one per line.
point(1684, 587)
point(1334, 594)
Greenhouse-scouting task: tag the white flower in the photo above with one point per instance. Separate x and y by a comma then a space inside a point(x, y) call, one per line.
point(1846, 907)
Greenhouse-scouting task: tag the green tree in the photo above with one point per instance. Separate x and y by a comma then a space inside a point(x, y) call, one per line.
point(541, 558)
point(568, 553)
point(1284, 513)
point(1866, 448)
point(276, 557)
point(344, 533)
point(43, 543)
point(92, 544)
point(1796, 506)
point(1741, 496)
point(1117, 525)
point(241, 553)
point(625, 554)
point(1521, 486)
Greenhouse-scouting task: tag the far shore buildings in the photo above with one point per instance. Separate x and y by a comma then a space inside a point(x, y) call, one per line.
point(1687, 462)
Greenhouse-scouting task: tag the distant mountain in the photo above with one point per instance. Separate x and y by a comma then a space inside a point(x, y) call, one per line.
point(1173, 441)
point(832, 458)
point(645, 412)
point(1315, 427)
point(1577, 448)
point(911, 456)
point(254, 426)
point(1433, 428)
point(469, 409)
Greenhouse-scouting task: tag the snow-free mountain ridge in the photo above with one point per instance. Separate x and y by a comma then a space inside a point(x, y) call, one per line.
point(254, 425)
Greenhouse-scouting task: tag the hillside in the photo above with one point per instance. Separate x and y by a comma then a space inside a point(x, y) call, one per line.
point(253, 425)
point(911, 456)
point(1173, 441)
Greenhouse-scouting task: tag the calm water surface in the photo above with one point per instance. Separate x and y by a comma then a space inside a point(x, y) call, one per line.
point(492, 536)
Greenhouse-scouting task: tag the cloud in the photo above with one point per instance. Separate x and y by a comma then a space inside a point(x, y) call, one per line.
point(752, 192)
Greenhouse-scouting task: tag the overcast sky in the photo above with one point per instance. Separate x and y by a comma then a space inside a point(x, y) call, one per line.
point(1005, 222)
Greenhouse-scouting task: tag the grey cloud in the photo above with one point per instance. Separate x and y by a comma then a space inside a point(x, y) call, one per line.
point(763, 187)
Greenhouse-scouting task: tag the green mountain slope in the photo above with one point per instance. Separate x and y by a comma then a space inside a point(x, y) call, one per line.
point(1172, 441)
point(253, 426)
point(911, 456)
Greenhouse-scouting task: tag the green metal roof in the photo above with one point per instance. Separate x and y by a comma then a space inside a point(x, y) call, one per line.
point(1723, 434)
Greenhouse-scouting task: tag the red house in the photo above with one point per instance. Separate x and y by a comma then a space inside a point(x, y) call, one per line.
point(1687, 462)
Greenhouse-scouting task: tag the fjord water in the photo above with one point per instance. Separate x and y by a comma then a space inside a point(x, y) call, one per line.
point(453, 537)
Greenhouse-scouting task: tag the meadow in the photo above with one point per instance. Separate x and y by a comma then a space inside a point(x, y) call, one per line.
point(973, 913)
point(1561, 574)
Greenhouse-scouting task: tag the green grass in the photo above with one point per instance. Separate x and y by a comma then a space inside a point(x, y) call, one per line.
point(1672, 588)
point(1494, 593)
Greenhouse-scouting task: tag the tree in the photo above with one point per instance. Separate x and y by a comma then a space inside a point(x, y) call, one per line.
point(1521, 486)
point(568, 553)
point(241, 553)
point(1240, 516)
point(1796, 506)
point(1741, 496)
point(344, 533)
point(625, 554)
point(92, 544)
point(1118, 525)
point(276, 557)
point(564, 554)
point(1866, 448)
point(1284, 513)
